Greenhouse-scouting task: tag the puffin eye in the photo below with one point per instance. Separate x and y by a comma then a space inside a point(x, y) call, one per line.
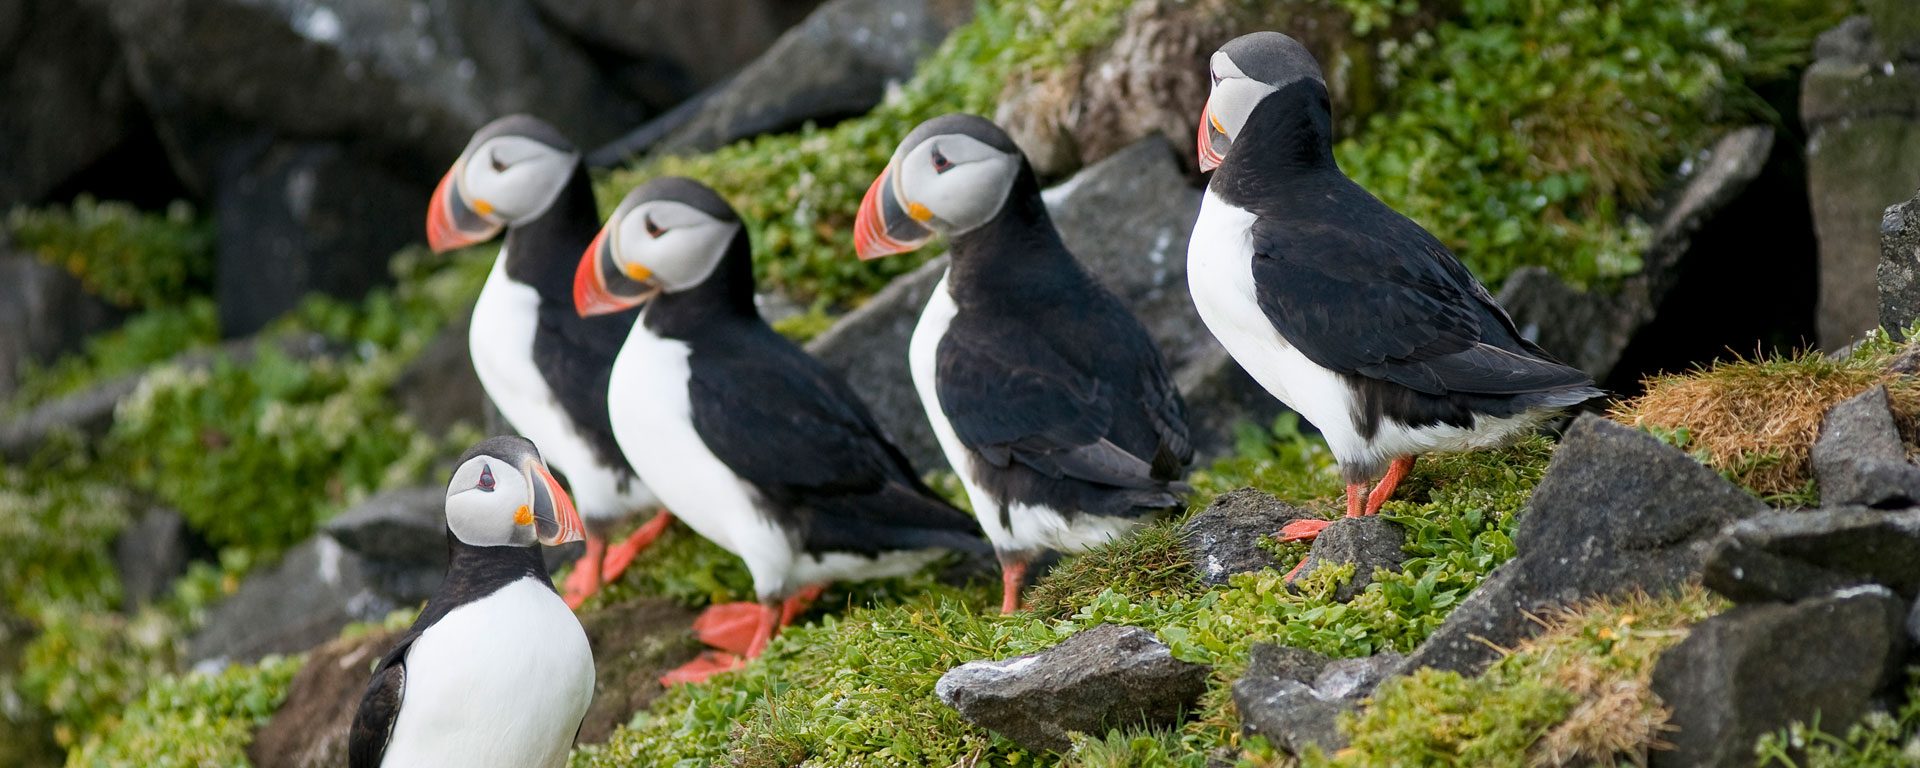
point(486, 478)
point(940, 162)
point(493, 159)
point(653, 230)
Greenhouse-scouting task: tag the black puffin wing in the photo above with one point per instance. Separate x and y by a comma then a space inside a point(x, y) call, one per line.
point(1379, 297)
point(783, 421)
point(379, 708)
point(1010, 397)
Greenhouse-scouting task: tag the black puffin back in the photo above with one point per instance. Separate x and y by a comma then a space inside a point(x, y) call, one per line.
point(573, 354)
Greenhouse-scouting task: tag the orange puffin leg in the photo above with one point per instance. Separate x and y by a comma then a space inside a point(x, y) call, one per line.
point(763, 634)
point(1309, 530)
point(707, 664)
point(585, 578)
point(729, 626)
point(1013, 576)
point(1396, 472)
point(801, 600)
point(621, 555)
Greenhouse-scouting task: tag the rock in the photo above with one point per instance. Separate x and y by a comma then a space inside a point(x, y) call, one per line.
point(404, 83)
point(1913, 626)
point(1595, 332)
point(1369, 543)
point(149, 555)
point(676, 47)
point(1859, 457)
point(1225, 539)
point(1294, 698)
point(634, 643)
point(1127, 219)
point(1899, 272)
point(1757, 668)
point(1860, 102)
point(318, 588)
point(1617, 511)
point(1101, 678)
point(1792, 555)
point(403, 525)
point(300, 218)
point(439, 389)
point(45, 310)
point(310, 728)
point(835, 64)
point(62, 61)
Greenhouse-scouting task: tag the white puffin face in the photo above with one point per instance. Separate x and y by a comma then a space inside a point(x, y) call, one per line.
point(488, 504)
point(510, 179)
point(953, 183)
point(668, 244)
point(1233, 97)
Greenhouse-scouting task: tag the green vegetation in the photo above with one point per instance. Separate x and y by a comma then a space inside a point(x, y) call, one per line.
point(120, 253)
point(194, 720)
point(150, 337)
point(1879, 740)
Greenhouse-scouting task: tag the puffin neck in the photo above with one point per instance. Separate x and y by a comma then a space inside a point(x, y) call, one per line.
point(481, 570)
point(727, 294)
point(1288, 135)
point(544, 252)
point(1009, 253)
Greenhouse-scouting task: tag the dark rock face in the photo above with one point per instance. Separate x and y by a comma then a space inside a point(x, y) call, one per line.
point(676, 47)
point(1127, 219)
point(1794, 555)
point(1594, 331)
point(1105, 677)
point(68, 96)
point(835, 64)
point(1860, 102)
point(1225, 539)
point(1757, 668)
point(1295, 697)
point(1859, 458)
point(1617, 511)
point(1899, 272)
point(150, 554)
point(405, 525)
point(310, 729)
point(299, 218)
point(318, 588)
point(45, 311)
point(439, 388)
point(1369, 543)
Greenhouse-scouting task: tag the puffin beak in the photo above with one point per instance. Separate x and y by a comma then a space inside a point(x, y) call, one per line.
point(453, 222)
point(555, 520)
point(596, 279)
point(1212, 141)
point(884, 226)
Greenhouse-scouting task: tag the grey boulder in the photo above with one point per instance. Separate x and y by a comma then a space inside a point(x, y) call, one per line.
point(1367, 543)
point(1224, 539)
point(1294, 698)
point(1101, 678)
point(318, 588)
point(1793, 555)
point(46, 312)
point(1859, 458)
point(1899, 271)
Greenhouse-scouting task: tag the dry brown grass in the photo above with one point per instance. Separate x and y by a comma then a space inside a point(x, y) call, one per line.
point(1757, 419)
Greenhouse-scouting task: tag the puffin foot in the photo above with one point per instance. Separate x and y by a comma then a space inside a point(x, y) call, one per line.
point(799, 602)
point(1295, 573)
point(1302, 530)
point(707, 664)
point(730, 627)
point(1396, 472)
point(585, 578)
point(1013, 576)
point(621, 555)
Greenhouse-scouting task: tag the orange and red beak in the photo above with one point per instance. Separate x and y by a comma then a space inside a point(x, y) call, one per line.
point(601, 286)
point(884, 226)
point(556, 521)
point(1212, 140)
point(454, 222)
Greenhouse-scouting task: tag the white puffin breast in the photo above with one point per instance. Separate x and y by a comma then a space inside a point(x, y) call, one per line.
point(501, 682)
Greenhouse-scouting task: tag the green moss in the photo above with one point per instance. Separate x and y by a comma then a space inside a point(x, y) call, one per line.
point(1278, 459)
point(194, 720)
point(150, 337)
point(120, 253)
point(1879, 740)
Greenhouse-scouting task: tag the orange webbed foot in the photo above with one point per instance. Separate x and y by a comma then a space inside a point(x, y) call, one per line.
point(706, 665)
point(1301, 530)
point(730, 627)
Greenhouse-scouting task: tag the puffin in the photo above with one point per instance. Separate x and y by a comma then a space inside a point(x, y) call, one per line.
point(755, 444)
point(496, 671)
point(1046, 394)
point(544, 366)
point(1342, 308)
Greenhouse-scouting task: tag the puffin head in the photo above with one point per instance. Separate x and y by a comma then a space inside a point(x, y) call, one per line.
point(1245, 71)
point(666, 236)
point(512, 170)
point(949, 175)
point(503, 496)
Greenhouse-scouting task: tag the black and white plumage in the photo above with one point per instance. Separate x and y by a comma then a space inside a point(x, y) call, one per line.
point(1347, 311)
point(496, 671)
point(755, 444)
point(543, 365)
point(1048, 397)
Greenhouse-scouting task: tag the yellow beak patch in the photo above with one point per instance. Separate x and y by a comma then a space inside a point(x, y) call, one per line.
point(919, 212)
point(523, 516)
point(482, 207)
point(637, 273)
point(1215, 121)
